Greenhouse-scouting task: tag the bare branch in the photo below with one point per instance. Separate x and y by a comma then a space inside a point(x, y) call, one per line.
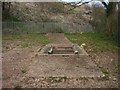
point(80, 3)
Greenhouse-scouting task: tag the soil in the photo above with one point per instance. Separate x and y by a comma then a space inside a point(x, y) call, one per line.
point(58, 39)
point(23, 67)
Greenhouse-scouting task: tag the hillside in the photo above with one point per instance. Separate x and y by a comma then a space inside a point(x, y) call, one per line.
point(58, 14)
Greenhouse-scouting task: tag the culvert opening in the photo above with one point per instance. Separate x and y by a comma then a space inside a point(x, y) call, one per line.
point(62, 50)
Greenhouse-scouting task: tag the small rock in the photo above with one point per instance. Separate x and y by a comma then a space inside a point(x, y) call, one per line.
point(111, 60)
point(34, 84)
point(76, 52)
point(36, 54)
point(83, 45)
point(114, 79)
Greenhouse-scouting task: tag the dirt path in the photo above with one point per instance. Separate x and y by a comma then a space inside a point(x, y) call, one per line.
point(59, 39)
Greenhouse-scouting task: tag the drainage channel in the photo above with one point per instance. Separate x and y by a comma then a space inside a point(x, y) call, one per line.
point(62, 50)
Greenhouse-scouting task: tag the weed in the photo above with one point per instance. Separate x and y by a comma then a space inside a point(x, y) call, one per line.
point(105, 71)
point(23, 71)
point(56, 79)
point(105, 75)
point(18, 87)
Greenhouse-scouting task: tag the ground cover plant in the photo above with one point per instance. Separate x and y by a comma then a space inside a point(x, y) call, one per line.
point(24, 40)
point(98, 42)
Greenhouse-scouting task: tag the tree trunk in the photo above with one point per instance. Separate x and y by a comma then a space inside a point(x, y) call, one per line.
point(110, 19)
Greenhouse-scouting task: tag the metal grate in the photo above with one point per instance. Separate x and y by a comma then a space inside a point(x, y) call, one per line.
point(54, 50)
point(63, 50)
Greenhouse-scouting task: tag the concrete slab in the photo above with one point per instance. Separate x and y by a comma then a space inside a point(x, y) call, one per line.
point(45, 49)
point(60, 66)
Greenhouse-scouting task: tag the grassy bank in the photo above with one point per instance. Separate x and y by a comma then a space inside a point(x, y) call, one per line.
point(25, 40)
point(95, 42)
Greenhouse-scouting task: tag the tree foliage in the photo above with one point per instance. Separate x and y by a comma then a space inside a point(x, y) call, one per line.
point(111, 14)
point(6, 9)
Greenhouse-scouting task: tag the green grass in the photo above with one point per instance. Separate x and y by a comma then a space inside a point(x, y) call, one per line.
point(96, 41)
point(27, 40)
point(17, 87)
point(56, 79)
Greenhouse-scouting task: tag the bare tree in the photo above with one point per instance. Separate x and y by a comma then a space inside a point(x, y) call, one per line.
point(110, 12)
